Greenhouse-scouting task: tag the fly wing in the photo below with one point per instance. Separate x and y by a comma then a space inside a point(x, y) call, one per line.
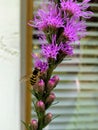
point(25, 78)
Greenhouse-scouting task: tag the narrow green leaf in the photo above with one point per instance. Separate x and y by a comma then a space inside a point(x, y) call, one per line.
point(26, 125)
point(55, 117)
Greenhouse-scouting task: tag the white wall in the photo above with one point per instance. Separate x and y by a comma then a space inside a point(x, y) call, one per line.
point(9, 65)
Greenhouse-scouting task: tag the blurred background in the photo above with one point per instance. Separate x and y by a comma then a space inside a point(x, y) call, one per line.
point(77, 91)
point(9, 65)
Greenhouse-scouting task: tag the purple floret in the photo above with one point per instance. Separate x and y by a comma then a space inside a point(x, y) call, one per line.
point(50, 50)
point(38, 63)
point(41, 64)
point(76, 9)
point(74, 31)
point(66, 49)
point(49, 16)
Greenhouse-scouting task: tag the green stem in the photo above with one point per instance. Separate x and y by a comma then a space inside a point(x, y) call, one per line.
point(41, 121)
point(49, 73)
point(40, 125)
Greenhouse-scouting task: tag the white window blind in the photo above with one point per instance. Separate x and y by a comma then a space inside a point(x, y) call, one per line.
point(77, 91)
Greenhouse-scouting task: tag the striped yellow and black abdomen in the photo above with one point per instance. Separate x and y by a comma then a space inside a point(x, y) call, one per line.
point(35, 76)
point(33, 79)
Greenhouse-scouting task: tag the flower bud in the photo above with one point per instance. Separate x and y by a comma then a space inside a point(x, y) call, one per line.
point(40, 106)
point(50, 99)
point(34, 124)
point(41, 86)
point(56, 79)
point(52, 83)
point(48, 118)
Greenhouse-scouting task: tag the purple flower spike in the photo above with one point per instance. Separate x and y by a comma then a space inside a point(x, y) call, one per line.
point(61, 24)
point(49, 16)
point(76, 9)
